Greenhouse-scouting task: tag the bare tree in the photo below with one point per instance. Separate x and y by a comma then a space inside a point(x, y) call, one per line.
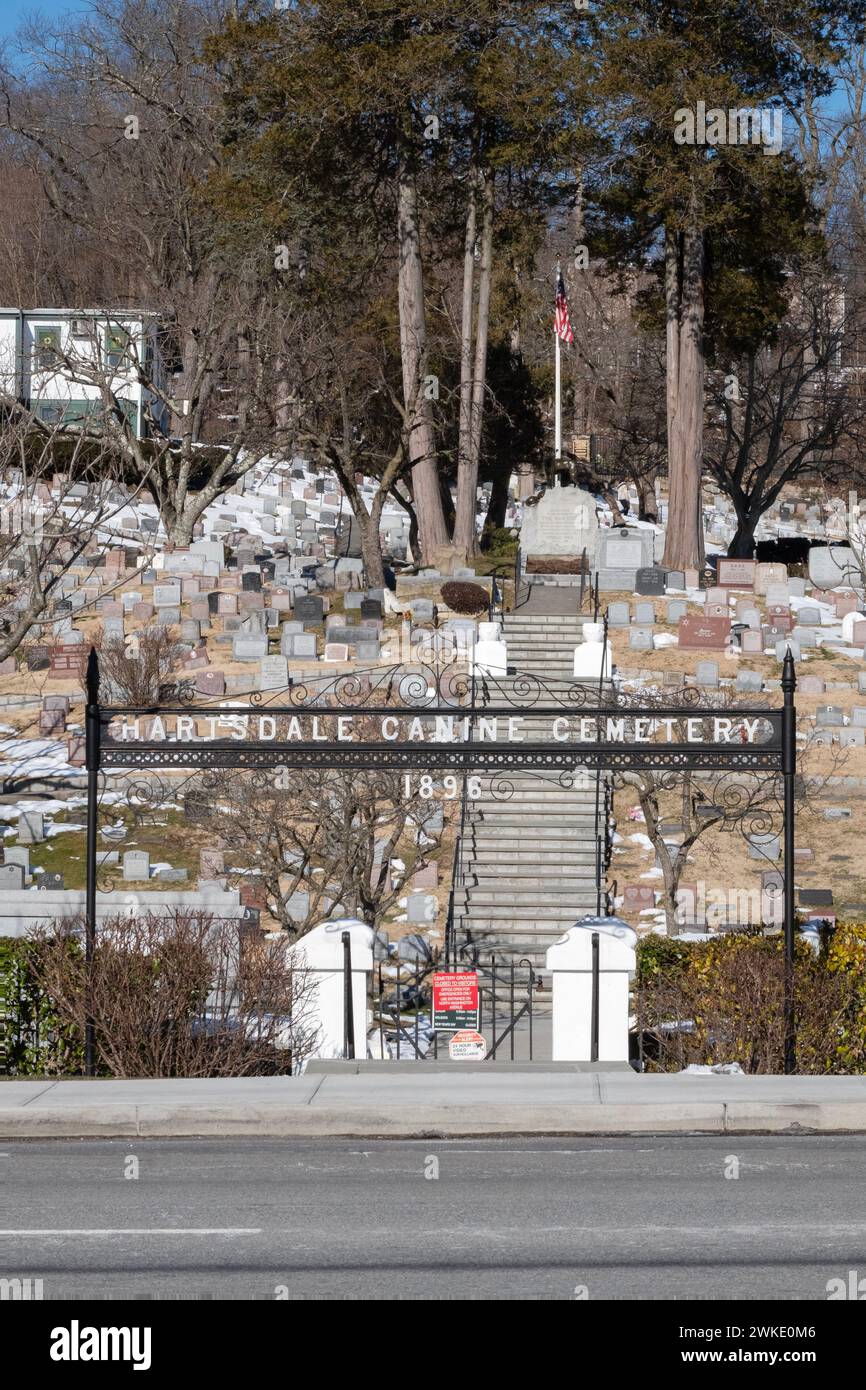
point(318, 839)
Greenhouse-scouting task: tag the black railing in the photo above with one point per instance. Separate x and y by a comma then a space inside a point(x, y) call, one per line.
point(456, 880)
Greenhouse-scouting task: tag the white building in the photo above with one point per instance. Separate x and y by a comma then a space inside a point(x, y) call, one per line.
point(53, 362)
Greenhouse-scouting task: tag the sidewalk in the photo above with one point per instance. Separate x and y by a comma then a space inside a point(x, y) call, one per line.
point(421, 1100)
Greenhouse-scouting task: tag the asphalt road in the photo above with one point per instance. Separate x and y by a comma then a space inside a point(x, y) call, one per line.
point(504, 1219)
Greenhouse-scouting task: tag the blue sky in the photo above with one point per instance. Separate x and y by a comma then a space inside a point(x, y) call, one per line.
point(12, 12)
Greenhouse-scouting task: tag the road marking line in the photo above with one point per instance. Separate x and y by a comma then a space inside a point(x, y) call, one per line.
point(145, 1231)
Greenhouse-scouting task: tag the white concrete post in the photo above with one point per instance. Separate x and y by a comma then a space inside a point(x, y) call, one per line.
point(320, 952)
point(570, 961)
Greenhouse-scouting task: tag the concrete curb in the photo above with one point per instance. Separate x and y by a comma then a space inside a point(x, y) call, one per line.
point(276, 1120)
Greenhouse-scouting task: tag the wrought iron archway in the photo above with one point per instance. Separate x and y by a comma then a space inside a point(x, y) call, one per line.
point(607, 739)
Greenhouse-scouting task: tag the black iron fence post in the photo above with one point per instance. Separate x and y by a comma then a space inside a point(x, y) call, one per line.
point(593, 1045)
point(91, 762)
point(348, 1001)
point(789, 771)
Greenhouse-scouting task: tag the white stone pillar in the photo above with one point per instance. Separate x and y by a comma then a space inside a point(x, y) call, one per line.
point(570, 961)
point(320, 953)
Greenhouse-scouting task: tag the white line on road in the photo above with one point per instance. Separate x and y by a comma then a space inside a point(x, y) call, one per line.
point(145, 1231)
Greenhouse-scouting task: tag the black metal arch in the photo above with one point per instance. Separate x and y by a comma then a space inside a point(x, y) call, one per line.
point(427, 692)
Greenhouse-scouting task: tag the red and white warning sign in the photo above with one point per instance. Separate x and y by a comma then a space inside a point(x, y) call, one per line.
point(455, 1000)
point(467, 1046)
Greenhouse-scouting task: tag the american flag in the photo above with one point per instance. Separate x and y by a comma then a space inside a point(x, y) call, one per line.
point(562, 325)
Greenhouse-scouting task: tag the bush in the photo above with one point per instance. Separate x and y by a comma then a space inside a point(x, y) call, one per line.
point(185, 994)
point(134, 673)
point(463, 597)
point(723, 1001)
point(35, 1040)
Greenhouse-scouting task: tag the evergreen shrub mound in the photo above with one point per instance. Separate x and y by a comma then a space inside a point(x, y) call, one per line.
point(463, 597)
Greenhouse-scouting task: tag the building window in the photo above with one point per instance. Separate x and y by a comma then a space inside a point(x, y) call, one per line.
point(47, 347)
point(117, 347)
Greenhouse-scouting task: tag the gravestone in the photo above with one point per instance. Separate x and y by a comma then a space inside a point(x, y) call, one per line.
point(751, 642)
point(640, 639)
point(710, 634)
point(11, 877)
point(649, 580)
point(736, 574)
point(707, 674)
point(136, 866)
point(620, 555)
point(832, 566)
point(559, 526)
point(676, 609)
point(618, 615)
point(210, 683)
point(638, 897)
point(31, 828)
point(273, 673)
point(309, 608)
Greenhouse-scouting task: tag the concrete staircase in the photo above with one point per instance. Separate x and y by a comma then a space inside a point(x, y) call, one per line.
point(529, 857)
point(544, 645)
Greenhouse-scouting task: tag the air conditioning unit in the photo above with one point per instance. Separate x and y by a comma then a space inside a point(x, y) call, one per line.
point(82, 328)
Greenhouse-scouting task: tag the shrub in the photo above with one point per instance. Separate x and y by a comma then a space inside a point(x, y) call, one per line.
point(184, 994)
point(35, 1040)
point(133, 674)
point(723, 1001)
point(463, 597)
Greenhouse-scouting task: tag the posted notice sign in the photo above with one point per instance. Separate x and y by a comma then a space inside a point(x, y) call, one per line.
point(467, 1046)
point(455, 1001)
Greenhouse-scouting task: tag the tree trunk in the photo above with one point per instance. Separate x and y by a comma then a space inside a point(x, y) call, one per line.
point(371, 548)
point(684, 293)
point(465, 530)
point(433, 532)
point(742, 546)
point(464, 438)
point(647, 504)
point(498, 503)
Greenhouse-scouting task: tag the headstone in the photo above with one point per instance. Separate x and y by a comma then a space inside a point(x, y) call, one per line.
point(707, 674)
point(11, 877)
point(710, 634)
point(645, 614)
point(136, 866)
point(618, 615)
point(676, 609)
point(640, 639)
point(210, 683)
point(249, 648)
point(736, 574)
point(751, 643)
point(650, 580)
point(309, 608)
point(336, 651)
point(832, 566)
point(31, 828)
point(561, 525)
point(273, 673)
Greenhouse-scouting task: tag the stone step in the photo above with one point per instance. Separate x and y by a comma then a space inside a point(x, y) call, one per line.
point(571, 877)
point(524, 855)
point(478, 900)
point(496, 810)
point(518, 835)
point(546, 917)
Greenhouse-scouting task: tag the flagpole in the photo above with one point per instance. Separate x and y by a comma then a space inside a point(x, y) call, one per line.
point(557, 422)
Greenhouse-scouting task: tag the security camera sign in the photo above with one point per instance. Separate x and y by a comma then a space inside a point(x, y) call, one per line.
point(467, 1046)
point(455, 1000)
